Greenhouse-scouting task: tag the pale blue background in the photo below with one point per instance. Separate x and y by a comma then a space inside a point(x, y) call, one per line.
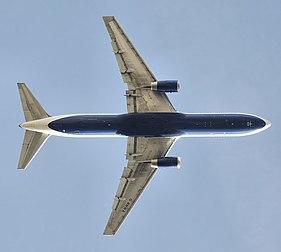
point(227, 56)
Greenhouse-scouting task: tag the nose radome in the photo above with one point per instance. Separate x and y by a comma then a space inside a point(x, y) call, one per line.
point(267, 123)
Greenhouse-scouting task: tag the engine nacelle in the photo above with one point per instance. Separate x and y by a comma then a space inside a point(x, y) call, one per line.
point(166, 162)
point(166, 86)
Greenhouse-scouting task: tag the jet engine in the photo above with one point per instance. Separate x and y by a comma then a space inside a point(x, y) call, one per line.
point(166, 162)
point(165, 86)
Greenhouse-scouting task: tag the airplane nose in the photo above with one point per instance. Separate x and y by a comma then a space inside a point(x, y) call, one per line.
point(261, 123)
point(267, 123)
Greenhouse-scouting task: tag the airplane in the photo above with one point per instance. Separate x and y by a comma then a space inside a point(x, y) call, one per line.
point(152, 125)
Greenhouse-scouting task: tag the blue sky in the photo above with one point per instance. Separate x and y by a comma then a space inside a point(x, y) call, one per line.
point(227, 56)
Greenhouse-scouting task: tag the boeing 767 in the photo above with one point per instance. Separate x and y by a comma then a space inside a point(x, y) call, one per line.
point(152, 125)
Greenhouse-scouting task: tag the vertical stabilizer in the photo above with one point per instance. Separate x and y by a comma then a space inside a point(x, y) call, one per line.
point(33, 141)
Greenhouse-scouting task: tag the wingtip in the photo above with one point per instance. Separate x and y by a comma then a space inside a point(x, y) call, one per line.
point(108, 232)
point(109, 235)
point(22, 165)
point(21, 168)
point(107, 19)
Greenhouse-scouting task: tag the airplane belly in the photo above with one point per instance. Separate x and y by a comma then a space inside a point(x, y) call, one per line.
point(159, 124)
point(86, 125)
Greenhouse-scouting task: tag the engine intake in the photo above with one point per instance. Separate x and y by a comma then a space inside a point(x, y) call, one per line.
point(166, 162)
point(166, 86)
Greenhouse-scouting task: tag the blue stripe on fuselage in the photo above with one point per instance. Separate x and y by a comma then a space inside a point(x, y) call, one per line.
point(157, 124)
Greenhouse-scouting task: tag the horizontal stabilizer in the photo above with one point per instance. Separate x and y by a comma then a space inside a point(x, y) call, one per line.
point(31, 107)
point(32, 143)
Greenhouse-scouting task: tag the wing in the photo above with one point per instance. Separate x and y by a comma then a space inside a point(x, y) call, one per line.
point(135, 73)
point(135, 176)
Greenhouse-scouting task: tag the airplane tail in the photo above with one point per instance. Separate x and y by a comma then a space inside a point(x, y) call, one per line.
point(33, 141)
